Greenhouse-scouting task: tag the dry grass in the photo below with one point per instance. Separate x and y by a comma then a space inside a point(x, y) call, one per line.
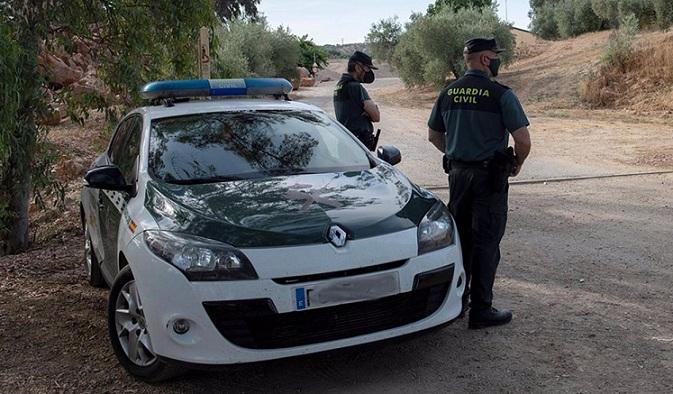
point(644, 84)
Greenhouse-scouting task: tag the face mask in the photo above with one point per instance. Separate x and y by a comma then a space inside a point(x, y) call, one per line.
point(494, 66)
point(368, 77)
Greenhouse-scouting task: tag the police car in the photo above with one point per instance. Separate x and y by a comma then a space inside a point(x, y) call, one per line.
point(233, 228)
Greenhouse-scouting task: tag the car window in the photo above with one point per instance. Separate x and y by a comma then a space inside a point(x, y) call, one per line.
point(241, 145)
point(119, 138)
point(128, 155)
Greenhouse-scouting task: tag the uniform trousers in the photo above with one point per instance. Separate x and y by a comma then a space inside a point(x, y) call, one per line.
point(481, 217)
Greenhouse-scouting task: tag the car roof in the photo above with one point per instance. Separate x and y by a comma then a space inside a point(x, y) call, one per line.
point(223, 105)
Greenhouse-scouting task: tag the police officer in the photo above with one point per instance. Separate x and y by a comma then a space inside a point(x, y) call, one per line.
point(471, 123)
point(352, 104)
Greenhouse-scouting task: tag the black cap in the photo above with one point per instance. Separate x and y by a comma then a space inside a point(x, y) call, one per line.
point(361, 57)
point(474, 45)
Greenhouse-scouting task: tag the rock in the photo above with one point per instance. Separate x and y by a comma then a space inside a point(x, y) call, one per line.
point(57, 71)
point(301, 74)
point(72, 168)
point(307, 82)
point(90, 84)
point(52, 118)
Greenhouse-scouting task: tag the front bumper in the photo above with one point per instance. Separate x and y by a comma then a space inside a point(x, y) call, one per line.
point(247, 321)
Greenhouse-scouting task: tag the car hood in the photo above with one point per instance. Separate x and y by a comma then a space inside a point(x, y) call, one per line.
point(291, 210)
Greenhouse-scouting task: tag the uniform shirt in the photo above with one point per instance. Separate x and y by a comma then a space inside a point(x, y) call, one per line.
point(349, 98)
point(476, 115)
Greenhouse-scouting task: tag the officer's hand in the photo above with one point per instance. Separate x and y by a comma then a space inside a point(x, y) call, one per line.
point(516, 169)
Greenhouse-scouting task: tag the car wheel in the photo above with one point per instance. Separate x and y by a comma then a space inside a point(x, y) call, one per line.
point(129, 334)
point(91, 265)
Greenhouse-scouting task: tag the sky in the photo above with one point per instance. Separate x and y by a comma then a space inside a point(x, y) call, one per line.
point(348, 21)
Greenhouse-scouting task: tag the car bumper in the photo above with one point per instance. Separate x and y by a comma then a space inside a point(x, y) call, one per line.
point(247, 321)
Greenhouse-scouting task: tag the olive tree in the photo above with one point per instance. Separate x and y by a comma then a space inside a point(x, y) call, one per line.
point(423, 59)
point(137, 41)
point(383, 37)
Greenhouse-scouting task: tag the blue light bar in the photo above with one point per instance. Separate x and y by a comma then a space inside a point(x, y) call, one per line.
point(216, 88)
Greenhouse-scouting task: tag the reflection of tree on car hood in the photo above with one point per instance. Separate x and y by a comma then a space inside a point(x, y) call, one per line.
point(290, 210)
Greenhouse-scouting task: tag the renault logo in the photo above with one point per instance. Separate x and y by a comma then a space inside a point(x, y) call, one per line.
point(337, 236)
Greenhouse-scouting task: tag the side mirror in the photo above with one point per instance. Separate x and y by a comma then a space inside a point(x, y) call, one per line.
point(107, 177)
point(389, 154)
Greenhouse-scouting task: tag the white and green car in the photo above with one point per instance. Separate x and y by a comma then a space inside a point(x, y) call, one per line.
point(239, 229)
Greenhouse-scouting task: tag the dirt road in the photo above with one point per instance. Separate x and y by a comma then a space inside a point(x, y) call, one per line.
point(587, 269)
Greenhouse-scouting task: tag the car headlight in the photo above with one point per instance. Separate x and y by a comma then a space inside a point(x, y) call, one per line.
point(200, 259)
point(436, 229)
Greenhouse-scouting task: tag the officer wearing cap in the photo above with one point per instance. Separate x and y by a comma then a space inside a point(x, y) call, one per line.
point(352, 104)
point(470, 123)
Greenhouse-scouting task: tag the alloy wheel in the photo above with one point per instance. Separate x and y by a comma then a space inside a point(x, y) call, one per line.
point(131, 327)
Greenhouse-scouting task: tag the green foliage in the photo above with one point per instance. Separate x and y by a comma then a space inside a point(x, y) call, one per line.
point(619, 47)
point(575, 17)
point(383, 37)
point(455, 5)
point(135, 41)
point(228, 10)
point(422, 59)
point(248, 48)
point(607, 10)
point(643, 10)
point(10, 102)
point(10, 99)
point(664, 12)
point(544, 22)
point(311, 53)
point(553, 19)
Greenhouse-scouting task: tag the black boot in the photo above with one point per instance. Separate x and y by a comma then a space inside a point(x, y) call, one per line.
point(488, 317)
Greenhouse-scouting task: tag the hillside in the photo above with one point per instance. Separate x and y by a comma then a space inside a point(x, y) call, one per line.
point(548, 75)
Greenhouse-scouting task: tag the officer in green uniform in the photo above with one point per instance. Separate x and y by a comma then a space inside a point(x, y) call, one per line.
point(352, 104)
point(470, 123)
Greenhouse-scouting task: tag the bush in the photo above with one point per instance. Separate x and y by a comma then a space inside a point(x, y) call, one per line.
point(619, 46)
point(250, 49)
point(603, 87)
point(423, 59)
point(643, 10)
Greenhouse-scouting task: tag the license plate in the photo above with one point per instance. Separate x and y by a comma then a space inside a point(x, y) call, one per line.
point(342, 291)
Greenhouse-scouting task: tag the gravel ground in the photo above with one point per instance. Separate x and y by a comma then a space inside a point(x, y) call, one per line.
point(586, 268)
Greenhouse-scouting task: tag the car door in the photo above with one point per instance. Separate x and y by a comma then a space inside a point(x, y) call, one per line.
point(123, 153)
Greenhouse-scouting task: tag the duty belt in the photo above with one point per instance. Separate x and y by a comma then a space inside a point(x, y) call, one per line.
point(469, 164)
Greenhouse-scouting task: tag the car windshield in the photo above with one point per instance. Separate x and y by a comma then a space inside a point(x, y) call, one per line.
point(216, 147)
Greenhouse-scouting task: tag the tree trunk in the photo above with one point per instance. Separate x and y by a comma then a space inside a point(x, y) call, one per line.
point(17, 182)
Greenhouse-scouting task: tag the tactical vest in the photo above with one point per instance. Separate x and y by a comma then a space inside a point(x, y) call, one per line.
point(475, 93)
point(472, 113)
point(340, 92)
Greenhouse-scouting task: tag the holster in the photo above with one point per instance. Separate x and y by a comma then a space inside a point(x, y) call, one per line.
point(368, 139)
point(446, 165)
point(500, 168)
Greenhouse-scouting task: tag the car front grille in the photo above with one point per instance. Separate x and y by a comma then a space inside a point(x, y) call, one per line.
point(256, 324)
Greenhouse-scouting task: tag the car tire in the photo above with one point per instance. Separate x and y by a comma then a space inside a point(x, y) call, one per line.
point(91, 265)
point(128, 334)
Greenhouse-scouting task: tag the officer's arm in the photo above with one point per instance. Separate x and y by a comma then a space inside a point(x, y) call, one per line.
point(522, 146)
point(437, 139)
point(372, 110)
